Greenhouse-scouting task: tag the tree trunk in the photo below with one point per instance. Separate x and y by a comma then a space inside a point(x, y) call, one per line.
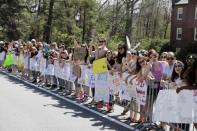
point(147, 27)
point(167, 19)
point(84, 25)
point(139, 26)
point(155, 23)
point(115, 18)
point(48, 26)
point(129, 19)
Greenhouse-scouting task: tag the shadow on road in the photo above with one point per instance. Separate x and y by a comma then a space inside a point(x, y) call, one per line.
point(99, 121)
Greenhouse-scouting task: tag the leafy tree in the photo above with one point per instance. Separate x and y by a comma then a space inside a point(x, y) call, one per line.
point(145, 21)
point(9, 18)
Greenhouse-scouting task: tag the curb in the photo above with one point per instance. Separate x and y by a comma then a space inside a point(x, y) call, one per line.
point(73, 102)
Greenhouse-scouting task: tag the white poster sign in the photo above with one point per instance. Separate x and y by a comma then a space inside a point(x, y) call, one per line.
point(26, 62)
point(114, 82)
point(81, 80)
point(66, 71)
point(56, 68)
point(174, 108)
point(141, 88)
point(89, 78)
point(72, 78)
point(50, 70)
point(101, 87)
point(33, 64)
point(194, 106)
point(42, 65)
point(128, 91)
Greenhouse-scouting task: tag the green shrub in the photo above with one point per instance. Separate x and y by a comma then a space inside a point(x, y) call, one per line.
point(157, 44)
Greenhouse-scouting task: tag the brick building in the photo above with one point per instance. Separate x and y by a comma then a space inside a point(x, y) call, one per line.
point(183, 23)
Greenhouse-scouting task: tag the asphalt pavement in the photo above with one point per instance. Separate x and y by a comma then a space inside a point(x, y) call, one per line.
point(26, 108)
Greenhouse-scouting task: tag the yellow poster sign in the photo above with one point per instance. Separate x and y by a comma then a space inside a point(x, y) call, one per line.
point(100, 66)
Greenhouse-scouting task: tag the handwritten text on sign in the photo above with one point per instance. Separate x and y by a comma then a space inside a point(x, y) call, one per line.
point(141, 88)
point(114, 82)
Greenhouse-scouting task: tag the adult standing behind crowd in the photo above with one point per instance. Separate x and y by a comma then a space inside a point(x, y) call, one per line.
point(99, 53)
point(102, 49)
point(171, 59)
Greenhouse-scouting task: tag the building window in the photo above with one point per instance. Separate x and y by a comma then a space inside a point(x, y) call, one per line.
point(179, 34)
point(180, 14)
point(196, 13)
point(195, 34)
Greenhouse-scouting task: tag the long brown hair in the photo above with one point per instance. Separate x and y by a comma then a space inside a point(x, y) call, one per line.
point(174, 74)
point(138, 66)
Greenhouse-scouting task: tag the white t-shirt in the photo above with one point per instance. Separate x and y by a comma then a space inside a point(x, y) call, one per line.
point(42, 65)
point(164, 65)
point(50, 70)
point(40, 54)
point(168, 70)
point(178, 81)
point(33, 64)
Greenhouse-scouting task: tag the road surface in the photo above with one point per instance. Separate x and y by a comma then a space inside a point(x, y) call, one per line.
point(26, 108)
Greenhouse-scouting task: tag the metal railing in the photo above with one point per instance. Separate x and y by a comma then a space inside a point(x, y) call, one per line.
point(82, 91)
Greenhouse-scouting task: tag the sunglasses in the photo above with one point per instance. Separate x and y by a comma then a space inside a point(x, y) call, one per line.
point(133, 53)
point(190, 60)
point(163, 56)
point(170, 58)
